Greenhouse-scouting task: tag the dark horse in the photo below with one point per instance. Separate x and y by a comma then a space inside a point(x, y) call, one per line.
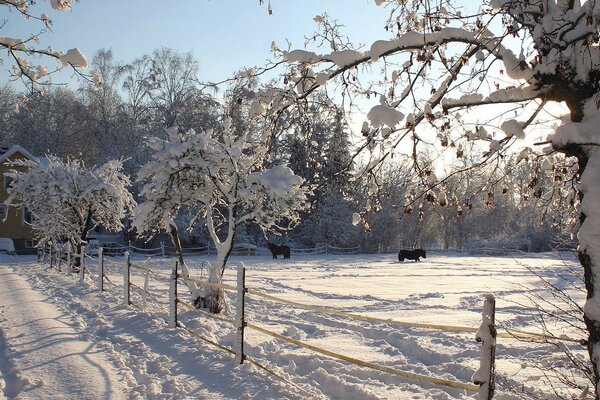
point(283, 250)
point(411, 254)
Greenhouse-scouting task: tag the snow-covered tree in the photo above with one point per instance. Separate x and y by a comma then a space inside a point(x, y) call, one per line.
point(448, 76)
point(25, 55)
point(68, 200)
point(220, 175)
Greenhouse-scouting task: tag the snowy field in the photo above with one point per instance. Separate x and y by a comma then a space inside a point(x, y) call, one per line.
point(135, 355)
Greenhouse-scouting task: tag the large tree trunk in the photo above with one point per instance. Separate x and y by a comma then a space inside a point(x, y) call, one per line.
point(215, 297)
point(589, 251)
point(589, 246)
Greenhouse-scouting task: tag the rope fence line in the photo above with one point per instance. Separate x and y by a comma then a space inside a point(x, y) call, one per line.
point(248, 358)
point(145, 269)
point(197, 335)
point(115, 263)
point(381, 368)
point(210, 284)
point(241, 324)
point(510, 334)
point(253, 361)
point(205, 314)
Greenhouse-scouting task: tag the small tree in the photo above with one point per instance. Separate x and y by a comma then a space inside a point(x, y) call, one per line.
point(219, 174)
point(68, 200)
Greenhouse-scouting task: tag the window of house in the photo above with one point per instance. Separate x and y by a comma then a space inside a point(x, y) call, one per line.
point(30, 244)
point(7, 181)
point(27, 217)
point(2, 211)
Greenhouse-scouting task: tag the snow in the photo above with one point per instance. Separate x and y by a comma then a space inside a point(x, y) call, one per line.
point(301, 56)
point(512, 127)
point(61, 5)
point(584, 132)
point(344, 58)
point(98, 345)
point(383, 114)
point(75, 58)
point(46, 356)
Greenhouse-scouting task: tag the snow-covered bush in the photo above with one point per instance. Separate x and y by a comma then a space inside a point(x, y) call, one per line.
point(68, 200)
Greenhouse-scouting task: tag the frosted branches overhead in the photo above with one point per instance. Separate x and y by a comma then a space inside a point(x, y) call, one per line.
point(24, 55)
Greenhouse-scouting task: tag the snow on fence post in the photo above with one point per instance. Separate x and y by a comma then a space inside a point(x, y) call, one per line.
point(239, 314)
point(126, 279)
point(162, 249)
point(484, 376)
point(101, 269)
point(173, 297)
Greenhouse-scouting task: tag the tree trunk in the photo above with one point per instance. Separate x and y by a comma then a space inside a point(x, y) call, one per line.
point(198, 300)
point(215, 298)
point(589, 252)
point(589, 247)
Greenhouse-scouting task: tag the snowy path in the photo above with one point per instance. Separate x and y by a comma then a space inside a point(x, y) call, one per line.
point(48, 358)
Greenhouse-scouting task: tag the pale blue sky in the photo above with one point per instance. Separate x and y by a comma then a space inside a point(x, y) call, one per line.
point(223, 35)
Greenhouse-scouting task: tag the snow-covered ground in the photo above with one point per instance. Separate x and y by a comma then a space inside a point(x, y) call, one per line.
point(60, 338)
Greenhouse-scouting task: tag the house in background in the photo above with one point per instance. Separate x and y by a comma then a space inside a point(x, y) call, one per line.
point(14, 221)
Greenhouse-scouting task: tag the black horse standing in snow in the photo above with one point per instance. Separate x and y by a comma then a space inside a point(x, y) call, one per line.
point(275, 250)
point(411, 254)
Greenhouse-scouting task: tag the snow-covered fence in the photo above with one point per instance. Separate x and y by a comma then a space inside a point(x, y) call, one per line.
point(410, 375)
point(240, 324)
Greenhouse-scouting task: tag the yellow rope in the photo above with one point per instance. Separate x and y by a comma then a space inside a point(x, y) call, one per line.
point(522, 335)
point(246, 357)
point(206, 283)
point(118, 264)
point(213, 316)
point(364, 317)
point(143, 268)
point(207, 340)
point(251, 360)
point(510, 334)
point(393, 371)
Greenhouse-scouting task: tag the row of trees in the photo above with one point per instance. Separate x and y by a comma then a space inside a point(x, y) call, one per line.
point(138, 100)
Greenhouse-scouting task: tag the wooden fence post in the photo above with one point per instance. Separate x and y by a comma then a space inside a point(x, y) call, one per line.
point(51, 256)
point(484, 377)
point(59, 261)
point(173, 297)
point(162, 249)
point(82, 263)
point(126, 279)
point(69, 265)
point(240, 322)
point(101, 268)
